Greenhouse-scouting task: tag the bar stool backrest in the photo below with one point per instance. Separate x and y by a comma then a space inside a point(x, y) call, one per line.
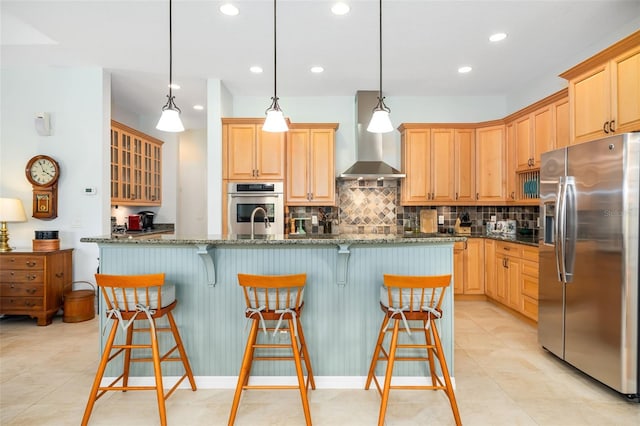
point(124, 292)
point(415, 292)
point(274, 292)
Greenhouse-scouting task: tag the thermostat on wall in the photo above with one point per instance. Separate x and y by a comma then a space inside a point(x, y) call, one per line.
point(90, 190)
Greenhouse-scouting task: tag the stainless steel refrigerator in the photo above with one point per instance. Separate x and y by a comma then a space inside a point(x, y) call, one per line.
point(588, 293)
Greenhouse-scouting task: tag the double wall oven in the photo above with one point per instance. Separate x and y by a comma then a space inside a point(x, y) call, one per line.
point(245, 198)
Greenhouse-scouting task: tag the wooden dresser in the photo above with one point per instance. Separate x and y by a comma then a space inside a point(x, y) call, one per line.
point(32, 283)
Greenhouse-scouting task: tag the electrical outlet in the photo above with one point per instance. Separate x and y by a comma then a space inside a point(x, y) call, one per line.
point(493, 218)
point(314, 220)
point(538, 221)
point(441, 219)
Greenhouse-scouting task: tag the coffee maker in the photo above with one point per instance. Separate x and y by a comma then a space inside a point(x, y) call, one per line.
point(146, 218)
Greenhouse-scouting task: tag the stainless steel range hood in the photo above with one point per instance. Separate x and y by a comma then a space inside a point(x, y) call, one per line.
point(369, 163)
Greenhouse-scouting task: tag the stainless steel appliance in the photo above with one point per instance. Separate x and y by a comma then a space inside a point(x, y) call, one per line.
point(244, 198)
point(588, 307)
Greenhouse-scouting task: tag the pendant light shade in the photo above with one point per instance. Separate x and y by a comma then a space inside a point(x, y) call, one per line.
point(380, 121)
point(170, 118)
point(275, 121)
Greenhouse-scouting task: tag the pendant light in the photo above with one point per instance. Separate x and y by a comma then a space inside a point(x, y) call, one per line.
point(380, 121)
point(170, 118)
point(275, 121)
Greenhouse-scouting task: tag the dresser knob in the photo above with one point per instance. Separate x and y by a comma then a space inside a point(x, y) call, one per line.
point(31, 263)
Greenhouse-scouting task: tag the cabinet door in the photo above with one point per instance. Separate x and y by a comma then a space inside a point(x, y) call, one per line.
point(465, 170)
point(542, 133)
point(474, 266)
point(241, 151)
point(116, 193)
point(514, 292)
point(416, 148)
point(458, 268)
point(490, 265)
point(321, 155)
point(590, 104)
point(502, 278)
point(490, 164)
point(442, 165)
point(511, 177)
point(625, 80)
point(523, 142)
point(298, 166)
point(561, 123)
point(270, 155)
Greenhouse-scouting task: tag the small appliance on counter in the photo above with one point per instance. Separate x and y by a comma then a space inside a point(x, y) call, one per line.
point(463, 225)
point(134, 222)
point(146, 218)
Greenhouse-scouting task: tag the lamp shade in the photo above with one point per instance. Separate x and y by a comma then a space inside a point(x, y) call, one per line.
point(170, 121)
point(275, 122)
point(11, 210)
point(380, 122)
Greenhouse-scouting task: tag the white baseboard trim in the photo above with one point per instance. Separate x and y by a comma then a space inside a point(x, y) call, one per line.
point(322, 382)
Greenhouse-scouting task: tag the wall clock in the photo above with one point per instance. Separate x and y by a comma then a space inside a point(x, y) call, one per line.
point(43, 172)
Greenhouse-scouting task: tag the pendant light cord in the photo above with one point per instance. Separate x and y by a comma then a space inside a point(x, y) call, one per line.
point(275, 55)
point(170, 53)
point(380, 49)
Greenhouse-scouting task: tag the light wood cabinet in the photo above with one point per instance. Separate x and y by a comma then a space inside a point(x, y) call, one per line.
point(511, 177)
point(490, 164)
point(439, 163)
point(490, 288)
point(561, 123)
point(310, 177)
point(534, 135)
point(136, 167)
point(252, 154)
point(604, 92)
point(33, 283)
point(524, 143)
point(515, 276)
point(468, 258)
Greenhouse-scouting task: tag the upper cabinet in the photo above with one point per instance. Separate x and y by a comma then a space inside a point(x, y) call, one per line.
point(490, 164)
point(250, 153)
point(439, 163)
point(604, 92)
point(136, 167)
point(310, 177)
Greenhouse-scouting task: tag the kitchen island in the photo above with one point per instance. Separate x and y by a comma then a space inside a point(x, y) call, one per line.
point(341, 314)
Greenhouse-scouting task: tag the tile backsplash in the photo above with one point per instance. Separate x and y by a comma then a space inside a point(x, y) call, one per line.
point(373, 207)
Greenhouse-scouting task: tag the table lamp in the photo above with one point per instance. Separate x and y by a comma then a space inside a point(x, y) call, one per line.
point(11, 210)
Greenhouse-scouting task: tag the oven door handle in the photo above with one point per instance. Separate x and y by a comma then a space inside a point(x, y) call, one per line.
point(254, 195)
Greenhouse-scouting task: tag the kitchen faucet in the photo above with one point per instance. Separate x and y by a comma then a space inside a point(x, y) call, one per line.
point(253, 216)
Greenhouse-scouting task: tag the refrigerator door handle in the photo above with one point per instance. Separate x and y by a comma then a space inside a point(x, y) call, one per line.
point(560, 215)
point(570, 224)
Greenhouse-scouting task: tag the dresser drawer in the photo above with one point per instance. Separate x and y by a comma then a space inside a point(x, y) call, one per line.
point(21, 276)
point(21, 289)
point(9, 304)
point(530, 286)
point(530, 268)
point(21, 262)
point(509, 249)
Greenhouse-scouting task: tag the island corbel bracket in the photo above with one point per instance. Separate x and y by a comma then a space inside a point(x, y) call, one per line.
point(205, 251)
point(343, 264)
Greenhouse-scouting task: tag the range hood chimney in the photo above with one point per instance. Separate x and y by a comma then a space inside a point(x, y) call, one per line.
point(369, 164)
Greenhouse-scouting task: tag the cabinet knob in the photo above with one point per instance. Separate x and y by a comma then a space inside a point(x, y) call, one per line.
point(31, 263)
point(31, 277)
point(605, 127)
point(513, 195)
point(31, 290)
point(59, 274)
point(456, 195)
point(612, 126)
point(477, 195)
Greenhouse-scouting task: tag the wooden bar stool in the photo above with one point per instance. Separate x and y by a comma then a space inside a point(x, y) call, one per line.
point(274, 298)
point(129, 300)
point(411, 298)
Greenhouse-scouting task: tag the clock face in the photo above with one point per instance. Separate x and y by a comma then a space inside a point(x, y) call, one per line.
point(42, 171)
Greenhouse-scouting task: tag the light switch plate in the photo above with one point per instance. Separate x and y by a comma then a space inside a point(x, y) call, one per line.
point(314, 220)
point(441, 219)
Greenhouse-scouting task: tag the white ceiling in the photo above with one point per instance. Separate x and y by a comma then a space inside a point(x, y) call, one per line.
point(424, 43)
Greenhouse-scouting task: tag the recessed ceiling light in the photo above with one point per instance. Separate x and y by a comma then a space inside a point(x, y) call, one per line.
point(174, 86)
point(340, 8)
point(497, 37)
point(198, 107)
point(465, 69)
point(317, 70)
point(229, 9)
point(255, 69)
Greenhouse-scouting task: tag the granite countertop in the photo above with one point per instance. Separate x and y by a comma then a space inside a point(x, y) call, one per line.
point(162, 238)
point(242, 239)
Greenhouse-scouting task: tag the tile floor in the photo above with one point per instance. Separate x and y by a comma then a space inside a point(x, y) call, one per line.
point(503, 378)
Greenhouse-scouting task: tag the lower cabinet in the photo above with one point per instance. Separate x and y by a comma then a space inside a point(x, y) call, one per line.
point(33, 283)
point(468, 273)
point(512, 276)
